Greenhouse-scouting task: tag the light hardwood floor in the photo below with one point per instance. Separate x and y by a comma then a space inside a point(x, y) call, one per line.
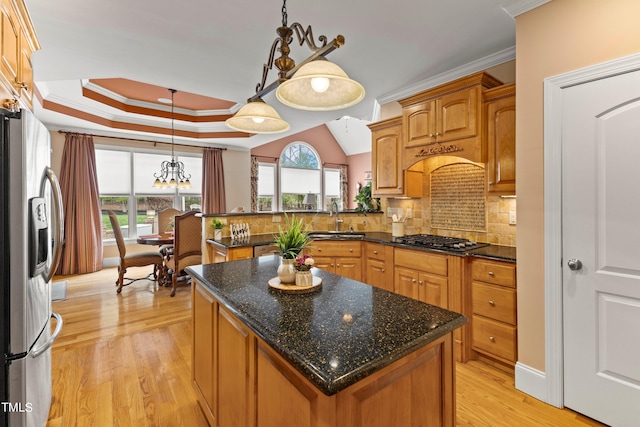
point(125, 360)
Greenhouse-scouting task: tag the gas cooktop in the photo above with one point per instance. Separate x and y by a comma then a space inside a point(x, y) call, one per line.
point(440, 242)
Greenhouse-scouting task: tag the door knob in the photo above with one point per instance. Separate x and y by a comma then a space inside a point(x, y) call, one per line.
point(574, 264)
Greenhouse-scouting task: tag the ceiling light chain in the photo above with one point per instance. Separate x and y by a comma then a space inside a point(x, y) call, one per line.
point(173, 167)
point(314, 84)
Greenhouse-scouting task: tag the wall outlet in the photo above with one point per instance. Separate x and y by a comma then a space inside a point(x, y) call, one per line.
point(512, 218)
point(390, 212)
point(276, 218)
point(408, 213)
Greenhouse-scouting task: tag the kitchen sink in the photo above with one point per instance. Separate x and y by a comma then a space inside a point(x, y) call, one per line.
point(336, 235)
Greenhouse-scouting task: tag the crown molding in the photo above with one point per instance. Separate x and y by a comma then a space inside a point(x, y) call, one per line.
point(497, 58)
point(519, 7)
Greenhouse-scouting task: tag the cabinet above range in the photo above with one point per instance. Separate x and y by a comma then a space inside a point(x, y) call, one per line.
point(446, 120)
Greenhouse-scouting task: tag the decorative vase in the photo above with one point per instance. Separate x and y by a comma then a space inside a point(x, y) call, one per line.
point(304, 278)
point(217, 234)
point(287, 271)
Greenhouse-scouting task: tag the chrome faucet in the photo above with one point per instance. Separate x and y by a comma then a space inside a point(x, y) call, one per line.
point(334, 208)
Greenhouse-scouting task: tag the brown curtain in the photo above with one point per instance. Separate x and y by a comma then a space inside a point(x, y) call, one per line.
point(344, 186)
point(82, 251)
point(254, 184)
point(213, 195)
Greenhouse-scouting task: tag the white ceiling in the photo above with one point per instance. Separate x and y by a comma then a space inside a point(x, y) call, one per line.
point(217, 49)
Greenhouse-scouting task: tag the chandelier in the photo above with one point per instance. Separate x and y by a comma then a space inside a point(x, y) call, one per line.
point(315, 84)
point(173, 167)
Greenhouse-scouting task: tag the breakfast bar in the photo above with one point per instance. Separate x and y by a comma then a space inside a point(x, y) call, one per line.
point(346, 354)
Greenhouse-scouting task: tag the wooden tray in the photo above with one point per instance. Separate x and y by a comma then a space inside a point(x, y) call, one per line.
point(292, 288)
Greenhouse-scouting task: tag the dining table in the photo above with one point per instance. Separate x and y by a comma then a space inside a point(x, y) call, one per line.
point(160, 240)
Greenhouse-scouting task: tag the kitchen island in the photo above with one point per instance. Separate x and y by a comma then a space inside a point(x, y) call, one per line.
point(346, 354)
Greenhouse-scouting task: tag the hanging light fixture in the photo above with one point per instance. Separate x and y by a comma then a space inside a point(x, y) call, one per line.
point(173, 167)
point(316, 85)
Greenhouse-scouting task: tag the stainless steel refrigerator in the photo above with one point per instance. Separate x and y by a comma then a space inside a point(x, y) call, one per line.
point(31, 239)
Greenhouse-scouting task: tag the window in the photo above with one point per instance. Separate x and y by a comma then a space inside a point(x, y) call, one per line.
point(125, 181)
point(300, 177)
point(299, 183)
point(266, 187)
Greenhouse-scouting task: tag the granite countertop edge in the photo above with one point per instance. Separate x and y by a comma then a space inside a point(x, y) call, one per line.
point(493, 252)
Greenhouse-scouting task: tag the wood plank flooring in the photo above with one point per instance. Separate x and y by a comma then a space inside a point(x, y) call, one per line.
point(125, 360)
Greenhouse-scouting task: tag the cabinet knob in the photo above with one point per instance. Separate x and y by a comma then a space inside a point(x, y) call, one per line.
point(491, 273)
point(419, 282)
point(375, 252)
point(430, 135)
point(331, 265)
point(319, 250)
point(21, 85)
point(491, 302)
point(437, 133)
point(413, 280)
point(382, 270)
point(337, 265)
point(350, 249)
point(492, 339)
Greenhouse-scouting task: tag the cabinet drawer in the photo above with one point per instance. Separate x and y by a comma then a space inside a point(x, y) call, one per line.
point(334, 248)
point(495, 338)
point(503, 274)
point(374, 251)
point(423, 261)
point(496, 302)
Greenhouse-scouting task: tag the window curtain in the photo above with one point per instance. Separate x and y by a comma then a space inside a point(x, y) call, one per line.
point(82, 252)
point(344, 186)
point(213, 193)
point(254, 184)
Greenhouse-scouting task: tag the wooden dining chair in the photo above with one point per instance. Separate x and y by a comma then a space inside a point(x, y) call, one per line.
point(138, 259)
point(187, 245)
point(165, 219)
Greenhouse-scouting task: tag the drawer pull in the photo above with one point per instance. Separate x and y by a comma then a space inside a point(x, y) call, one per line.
point(375, 252)
point(382, 270)
point(350, 249)
point(492, 339)
point(491, 273)
point(319, 250)
point(492, 303)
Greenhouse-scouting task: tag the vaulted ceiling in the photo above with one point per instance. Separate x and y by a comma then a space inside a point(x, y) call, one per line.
point(104, 64)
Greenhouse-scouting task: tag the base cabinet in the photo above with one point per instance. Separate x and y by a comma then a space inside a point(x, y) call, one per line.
point(494, 320)
point(338, 257)
point(422, 276)
point(241, 381)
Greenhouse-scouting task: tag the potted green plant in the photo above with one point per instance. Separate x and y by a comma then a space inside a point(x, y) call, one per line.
point(290, 241)
point(217, 225)
point(366, 203)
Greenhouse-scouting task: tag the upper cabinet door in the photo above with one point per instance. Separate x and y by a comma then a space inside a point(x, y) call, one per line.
point(386, 157)
point(419, 122)
point(501, 139)
point(458, 115)
point(10, 46)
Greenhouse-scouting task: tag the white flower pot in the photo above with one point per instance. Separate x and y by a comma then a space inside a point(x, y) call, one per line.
point(287, 271)
point(304, 278)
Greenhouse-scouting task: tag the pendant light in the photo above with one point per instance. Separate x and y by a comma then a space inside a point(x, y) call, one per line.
point(172, 167)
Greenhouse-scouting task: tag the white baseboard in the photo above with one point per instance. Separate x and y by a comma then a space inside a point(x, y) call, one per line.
point(531, 381)
point(110, 262)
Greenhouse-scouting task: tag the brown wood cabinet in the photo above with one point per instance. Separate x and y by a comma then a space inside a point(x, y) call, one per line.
point(378, 265)
point(422, 276)
point(215, 252)
point(494, 320)
point(500, 105)
point(341, 257)
point(389, 179)
point(447, 119)
point(17, 44)
point(241, 381)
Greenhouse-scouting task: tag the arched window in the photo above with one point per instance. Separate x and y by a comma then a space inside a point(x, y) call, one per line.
point(300, 178)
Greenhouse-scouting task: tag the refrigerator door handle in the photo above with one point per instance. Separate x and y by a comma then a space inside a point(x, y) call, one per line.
point(37, 352)
point(58, 225)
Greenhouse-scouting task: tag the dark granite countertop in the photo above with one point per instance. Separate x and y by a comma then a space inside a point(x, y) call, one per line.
point(494, 252)
point(336, 336)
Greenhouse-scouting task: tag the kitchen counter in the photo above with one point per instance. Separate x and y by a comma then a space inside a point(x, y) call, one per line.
point(312, 331)
point(495, 252)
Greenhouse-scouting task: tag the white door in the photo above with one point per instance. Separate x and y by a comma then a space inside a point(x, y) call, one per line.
point(601, 230)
